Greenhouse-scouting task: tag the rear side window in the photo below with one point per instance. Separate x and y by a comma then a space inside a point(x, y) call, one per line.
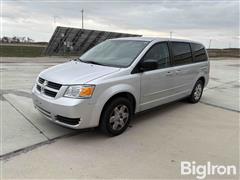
point(181, 53)
point(160, 53)
point(199, 52)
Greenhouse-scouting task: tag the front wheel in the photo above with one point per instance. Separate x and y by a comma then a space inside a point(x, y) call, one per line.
point(196, 92)
point(116, 116)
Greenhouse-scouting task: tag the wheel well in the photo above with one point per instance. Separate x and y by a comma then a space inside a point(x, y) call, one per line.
point(126, 95)
point(203, 80)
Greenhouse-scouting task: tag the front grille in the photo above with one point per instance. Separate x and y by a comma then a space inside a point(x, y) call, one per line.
point(49, 93)
point(38, 88)
point(47, 87)
point(54, 85)
point(66, 120)
point(40, 80)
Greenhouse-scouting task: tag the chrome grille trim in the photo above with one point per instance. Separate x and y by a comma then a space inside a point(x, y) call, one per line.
point(47, 88)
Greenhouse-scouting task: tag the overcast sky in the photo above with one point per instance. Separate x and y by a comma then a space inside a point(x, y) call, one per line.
point(196, 20)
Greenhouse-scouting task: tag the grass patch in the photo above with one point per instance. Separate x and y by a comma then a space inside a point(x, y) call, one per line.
point(20, 51)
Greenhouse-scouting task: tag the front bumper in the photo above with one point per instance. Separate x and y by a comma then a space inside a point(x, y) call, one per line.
point(68, 112)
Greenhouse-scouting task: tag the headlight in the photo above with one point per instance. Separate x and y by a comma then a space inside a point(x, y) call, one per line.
point(80, 91)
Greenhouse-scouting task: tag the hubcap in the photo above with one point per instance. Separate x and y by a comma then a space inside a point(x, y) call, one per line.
point(119, 117)
point(197, 92)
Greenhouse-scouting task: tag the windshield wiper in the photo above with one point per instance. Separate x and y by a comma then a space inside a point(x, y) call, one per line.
point(78, 59)
point(92, 62)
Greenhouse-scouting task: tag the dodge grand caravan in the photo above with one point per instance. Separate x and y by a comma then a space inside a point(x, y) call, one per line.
point(117, 78)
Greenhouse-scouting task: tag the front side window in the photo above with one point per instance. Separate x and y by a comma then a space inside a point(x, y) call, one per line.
point(116, 53)
point(199, 52)
point(160, 53)
point(181, 53)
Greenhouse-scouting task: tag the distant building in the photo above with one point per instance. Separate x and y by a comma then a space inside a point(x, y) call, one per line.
point(74, 41)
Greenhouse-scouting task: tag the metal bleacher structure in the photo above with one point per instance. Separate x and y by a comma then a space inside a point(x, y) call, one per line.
point(75, 41)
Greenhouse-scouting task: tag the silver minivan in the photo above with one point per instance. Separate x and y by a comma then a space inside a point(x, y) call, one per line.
point(117, 78)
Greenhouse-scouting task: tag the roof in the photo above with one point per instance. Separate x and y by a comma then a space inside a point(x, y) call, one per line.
point(157, 39)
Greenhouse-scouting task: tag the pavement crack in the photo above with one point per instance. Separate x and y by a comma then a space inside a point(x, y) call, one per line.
point(221, 107)
point(222, 84)
point(15, 92)
point(40, 131)
point(9, 155)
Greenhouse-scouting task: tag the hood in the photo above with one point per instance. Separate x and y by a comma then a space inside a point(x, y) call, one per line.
point(75, 72)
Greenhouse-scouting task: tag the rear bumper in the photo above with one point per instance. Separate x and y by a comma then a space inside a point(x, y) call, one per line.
point(68, 112)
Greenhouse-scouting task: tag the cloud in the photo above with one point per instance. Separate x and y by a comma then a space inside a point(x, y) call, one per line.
point(197, 20)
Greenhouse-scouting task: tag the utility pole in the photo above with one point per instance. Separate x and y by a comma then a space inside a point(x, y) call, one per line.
point(54, 20)
point(82, 17)
point(210, 41)
point(171, 35)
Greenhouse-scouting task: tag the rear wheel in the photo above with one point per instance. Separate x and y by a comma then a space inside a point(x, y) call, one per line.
point(196, 92)
point(116, 116)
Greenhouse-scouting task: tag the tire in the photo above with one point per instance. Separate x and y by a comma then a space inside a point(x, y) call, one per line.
point(116, 116)
point(196, 92)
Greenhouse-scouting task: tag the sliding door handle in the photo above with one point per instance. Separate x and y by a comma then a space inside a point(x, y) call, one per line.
point(179, 71)
point(169, 73)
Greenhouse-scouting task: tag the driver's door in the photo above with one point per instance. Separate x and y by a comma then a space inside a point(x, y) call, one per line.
point(157, 86)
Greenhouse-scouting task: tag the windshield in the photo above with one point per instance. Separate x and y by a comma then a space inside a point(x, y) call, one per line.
point(117, 53)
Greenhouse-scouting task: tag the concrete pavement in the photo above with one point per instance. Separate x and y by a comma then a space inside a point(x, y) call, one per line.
point(224, 85)
point(152, 148)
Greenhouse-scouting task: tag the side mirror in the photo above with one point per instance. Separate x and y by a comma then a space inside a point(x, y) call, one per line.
point(149, 65)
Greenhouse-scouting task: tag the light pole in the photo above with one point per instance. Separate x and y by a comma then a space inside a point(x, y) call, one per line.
point(210, 41)
point(54, 20)
point(82, 17)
